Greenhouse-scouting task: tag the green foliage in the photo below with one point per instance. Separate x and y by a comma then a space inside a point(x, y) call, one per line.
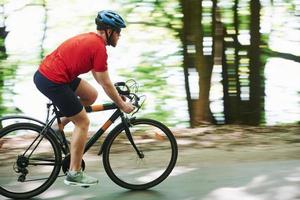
point(3, 1)
point(154, 86)
point(153, 13)
point(7, 73)
point(38, 2)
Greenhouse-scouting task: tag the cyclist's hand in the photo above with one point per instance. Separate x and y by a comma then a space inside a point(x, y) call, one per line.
point(123, 97)
point(127, 107)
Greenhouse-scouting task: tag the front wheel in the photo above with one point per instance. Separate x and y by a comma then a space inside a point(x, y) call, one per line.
point(158, 154)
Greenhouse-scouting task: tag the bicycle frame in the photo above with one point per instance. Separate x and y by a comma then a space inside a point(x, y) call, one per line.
point(106, 125)
point(46, 127)
point(89, 109)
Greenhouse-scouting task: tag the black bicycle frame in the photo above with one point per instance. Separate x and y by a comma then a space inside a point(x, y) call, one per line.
point(89, 109)
point(106, 125)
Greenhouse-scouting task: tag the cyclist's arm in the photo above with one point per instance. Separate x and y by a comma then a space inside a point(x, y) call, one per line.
point(104, 80)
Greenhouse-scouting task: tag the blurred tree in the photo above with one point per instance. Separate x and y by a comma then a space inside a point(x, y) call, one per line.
point(159, 13)
point(231, 58)
point(198, 59)
point(243, 68)
point(3, 34)
point(8, 68)
point(256, 76)
point(43, 3)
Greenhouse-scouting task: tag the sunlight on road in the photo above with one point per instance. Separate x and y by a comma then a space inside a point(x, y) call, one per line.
point(294, 177)
point(176, 171)
point(262, 188)
point(53, 193)
point(181, 170)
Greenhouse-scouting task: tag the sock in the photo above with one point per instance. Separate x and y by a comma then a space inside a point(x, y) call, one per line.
point(73, 173)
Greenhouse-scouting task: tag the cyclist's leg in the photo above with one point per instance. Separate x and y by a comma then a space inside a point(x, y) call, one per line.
point(73, 109)
point(75, 113)
point(81, 122)
point(75, 176)
point(68, 103)
point(86, 92)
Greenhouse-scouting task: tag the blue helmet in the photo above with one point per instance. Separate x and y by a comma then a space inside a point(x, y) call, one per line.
point(109, 19)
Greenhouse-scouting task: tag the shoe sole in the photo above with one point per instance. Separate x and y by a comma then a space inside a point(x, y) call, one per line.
point(70, 183)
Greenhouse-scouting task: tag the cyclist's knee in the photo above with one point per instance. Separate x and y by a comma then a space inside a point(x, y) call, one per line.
point(87, 93)
point(93, 97)
point(81, 120)
point(89, 99)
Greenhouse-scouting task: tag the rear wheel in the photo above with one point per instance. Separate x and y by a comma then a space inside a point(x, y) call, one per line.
point(29, 161)
point(158, 154)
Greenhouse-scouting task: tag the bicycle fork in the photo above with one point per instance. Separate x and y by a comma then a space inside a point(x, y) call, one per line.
point(126, 123)
point(129, 136)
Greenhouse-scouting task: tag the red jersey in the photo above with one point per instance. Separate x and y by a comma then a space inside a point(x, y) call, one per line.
point(75, 56)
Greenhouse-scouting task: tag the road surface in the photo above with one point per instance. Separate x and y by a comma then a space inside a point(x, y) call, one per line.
point(244, 173)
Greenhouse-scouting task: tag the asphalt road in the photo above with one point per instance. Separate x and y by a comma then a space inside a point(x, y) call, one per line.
point(247, 173)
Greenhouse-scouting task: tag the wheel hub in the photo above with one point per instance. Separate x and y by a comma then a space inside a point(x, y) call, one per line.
point(22, 162)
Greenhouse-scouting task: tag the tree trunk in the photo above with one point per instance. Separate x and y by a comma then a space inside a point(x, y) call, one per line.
point(194, 59)
point(256, 68)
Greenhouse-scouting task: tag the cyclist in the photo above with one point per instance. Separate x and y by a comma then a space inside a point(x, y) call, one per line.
point(57, 78)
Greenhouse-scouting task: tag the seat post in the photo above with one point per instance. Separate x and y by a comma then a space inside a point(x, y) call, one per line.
point(57, 114)
point(48, 111)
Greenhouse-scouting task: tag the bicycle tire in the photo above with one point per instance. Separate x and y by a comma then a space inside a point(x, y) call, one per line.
point(12, 139)
point(149, 143)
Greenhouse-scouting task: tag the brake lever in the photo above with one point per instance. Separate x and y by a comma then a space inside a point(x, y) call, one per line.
point(137, 105)
point(135, 111)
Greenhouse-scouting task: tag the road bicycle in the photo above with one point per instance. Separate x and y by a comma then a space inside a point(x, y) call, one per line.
point(137, 154)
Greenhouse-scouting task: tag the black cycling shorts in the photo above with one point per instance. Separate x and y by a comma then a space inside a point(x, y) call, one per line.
point(62, 95)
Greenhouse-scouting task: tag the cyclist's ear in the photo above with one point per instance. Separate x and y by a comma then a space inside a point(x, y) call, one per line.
point(109, 31)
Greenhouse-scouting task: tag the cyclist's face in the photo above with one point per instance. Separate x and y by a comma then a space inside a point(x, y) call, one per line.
point(115, 38)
